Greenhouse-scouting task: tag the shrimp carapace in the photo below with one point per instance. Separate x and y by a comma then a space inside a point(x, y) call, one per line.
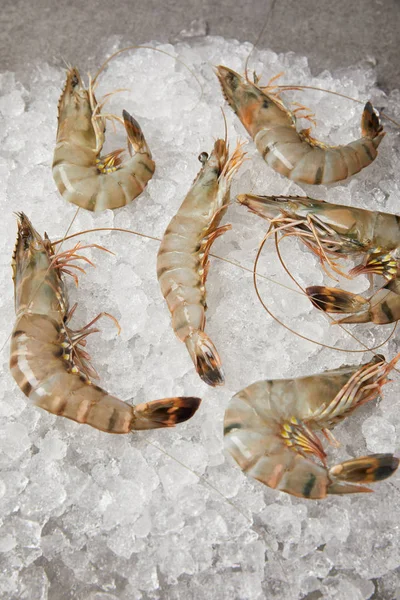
point(182, 263)
point(82, 175)
point(295, 154)
point(271, 427)
point(334, 231)
point(47, 360)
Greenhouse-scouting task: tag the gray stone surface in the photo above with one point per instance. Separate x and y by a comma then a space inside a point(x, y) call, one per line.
point(332, 33)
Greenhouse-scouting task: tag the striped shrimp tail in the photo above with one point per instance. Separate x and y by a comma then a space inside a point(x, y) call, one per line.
point(365, 469)
point(205, 358)
point(135, 134)
point(334, 300)
point(164, 413)
point(371, 126)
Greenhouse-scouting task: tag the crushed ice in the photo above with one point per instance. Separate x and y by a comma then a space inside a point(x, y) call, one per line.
point(112, 517)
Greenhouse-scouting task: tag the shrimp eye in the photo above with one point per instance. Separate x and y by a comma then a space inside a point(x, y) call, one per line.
point(203, 158)
point(74, 81)
point(232, 80)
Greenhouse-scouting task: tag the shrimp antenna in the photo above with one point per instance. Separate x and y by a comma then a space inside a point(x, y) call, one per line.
point(256, 274)
point(156, 239)
point(105, 63)
point(318, 89)
point(225, 126)
point(284, 265)
point(68, 66)
point(271, 8)
point(215, 489)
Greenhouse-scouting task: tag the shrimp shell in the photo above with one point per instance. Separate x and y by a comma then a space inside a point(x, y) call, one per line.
point(82, 176)
point(46, 359)
point(270, 430)
point(182, 263)
point(295, 154)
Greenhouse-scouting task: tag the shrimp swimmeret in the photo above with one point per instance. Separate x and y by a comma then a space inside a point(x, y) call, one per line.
point(83, 177)
point(47, 360)
point(270, 430)
point(182, 263)
point(295, 154)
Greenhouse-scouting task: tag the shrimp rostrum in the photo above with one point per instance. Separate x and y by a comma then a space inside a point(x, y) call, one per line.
point(82, 175)
point(182, 263)
point(47, 359)
point(295, 154)
point(271, 428)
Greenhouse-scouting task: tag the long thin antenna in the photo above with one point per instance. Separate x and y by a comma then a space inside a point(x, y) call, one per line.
point(156, 239)
point(317, 89)
point(271, 8)
point(105, 63)
point(217, 491)
point(268, 310)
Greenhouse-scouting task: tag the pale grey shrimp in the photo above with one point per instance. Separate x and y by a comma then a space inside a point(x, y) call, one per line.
point(333, 231)
point(271, 427)
point(182, 263)
point(295, 154)
point(47, 360)
point(82, 175)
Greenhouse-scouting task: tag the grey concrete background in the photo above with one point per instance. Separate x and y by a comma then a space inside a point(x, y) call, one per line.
point(332, 33)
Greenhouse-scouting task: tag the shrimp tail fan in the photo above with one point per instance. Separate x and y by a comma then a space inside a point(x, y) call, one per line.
point(371, 126)
point(365, 469)
point(165, 413)
point(334, 300)
point(205, 358)
point(135, 133)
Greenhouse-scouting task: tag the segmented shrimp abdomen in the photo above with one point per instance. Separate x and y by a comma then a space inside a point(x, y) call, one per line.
point(288, 153)
point(35, 350)
point(252, 435)
point(42, 367)
point(281, 147)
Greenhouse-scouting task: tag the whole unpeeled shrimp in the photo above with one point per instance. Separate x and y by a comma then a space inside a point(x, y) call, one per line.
point(182, 262)
point(295, 154)
point(47, 361)
point(82, 176)
point(271, 430)
point(334, 231)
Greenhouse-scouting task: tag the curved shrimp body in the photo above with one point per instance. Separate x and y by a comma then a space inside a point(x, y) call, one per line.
point(271, 427)
point(46, 361)
point(295, 154)
point(381, 308)
point(82, 176)
point(343, 231)
point(182, 262)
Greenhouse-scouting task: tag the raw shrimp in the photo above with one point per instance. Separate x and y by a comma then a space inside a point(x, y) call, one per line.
point(333, 230)
point(82, 176)
point(270, 430)
point(182, 263)
point(293, 153)
point(381, 308)
point(47, 361)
